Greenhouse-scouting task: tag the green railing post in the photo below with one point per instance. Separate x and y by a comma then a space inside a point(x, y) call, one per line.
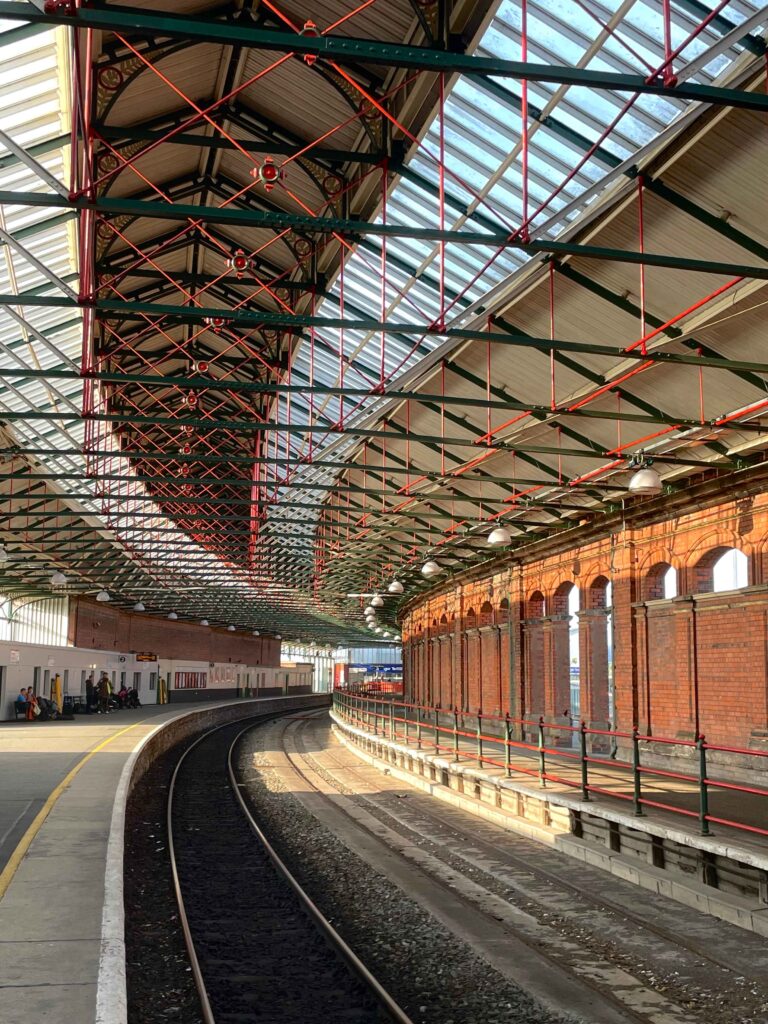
point(542, 760)
point(507, 745)
point(584, 765)
point(418, 726)
point(406, 725)
point(391, 722)
point(637, 796)
point(455, 734)
point(703, 790)
point(480, 737)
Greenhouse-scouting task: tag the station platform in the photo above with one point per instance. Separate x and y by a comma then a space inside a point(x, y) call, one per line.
point(723, 872)
point(63, 787)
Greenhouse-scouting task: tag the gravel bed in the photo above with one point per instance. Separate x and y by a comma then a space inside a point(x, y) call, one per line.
point(437, 978)
point(159, 978)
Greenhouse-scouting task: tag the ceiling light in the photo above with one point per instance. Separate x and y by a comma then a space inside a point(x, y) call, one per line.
point(386, 633)
point(58, 579)
point(230, 629)
point(203, 622)
point(103, 596)
point(499, 536)
point(395, 587)
point(278, 637)
point(370, 610)
point(378, 629)
point(138, 607)
point(3, 553)
point(172, 616)
point(430, 568)
point(255, 633)
point(378, 601)
point(645, 480)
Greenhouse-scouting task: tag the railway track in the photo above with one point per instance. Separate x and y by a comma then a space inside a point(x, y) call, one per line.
point(259, 948)
point(642, 958)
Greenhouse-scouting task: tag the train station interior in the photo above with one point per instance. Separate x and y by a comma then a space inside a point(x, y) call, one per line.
point(383, 425)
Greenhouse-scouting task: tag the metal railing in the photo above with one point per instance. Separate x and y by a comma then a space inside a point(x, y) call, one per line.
point(444, 730)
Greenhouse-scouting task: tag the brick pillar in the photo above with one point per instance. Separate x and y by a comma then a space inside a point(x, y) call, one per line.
point(644, 692)
point(533, 667)
point(474, 669)
point(490, 690)
point(682, 714)
point(593, 674)
point(445, 643)
point(557, 679)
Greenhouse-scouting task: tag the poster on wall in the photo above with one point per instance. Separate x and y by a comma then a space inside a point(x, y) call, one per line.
point(14, 657)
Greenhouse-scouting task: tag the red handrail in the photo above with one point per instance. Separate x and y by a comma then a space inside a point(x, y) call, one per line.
point(397, 717)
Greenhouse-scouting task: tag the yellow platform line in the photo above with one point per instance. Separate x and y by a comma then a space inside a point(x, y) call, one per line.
point(10, 869)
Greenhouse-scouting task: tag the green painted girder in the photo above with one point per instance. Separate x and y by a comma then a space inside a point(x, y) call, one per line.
point(322, 154)
point(369, 51)
point(278, 220)
point(259, 387)
point(246, 483)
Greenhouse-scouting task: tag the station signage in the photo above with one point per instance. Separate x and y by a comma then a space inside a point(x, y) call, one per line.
point(145, 657)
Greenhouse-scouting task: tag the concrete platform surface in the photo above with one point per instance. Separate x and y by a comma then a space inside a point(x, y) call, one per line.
point(61, 829)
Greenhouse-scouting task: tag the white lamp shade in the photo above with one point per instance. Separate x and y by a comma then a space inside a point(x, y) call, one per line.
point(371, 625)
point(172, 616)
point(255, 633)
point(203, 622)
point(103, 595)
point(139, 607)
point(499, 536)
point(395, 587)
point(278, 637)
point(430, 568)
point(387, 633)
point(370, 610)
point(3, 553)
point(378, 629)
point(58, 579)
point(230, 629)
point(378, 601)
point(645, 481)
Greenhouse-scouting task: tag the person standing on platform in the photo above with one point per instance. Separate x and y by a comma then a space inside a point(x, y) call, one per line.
point(90, 695)
point(104, 695)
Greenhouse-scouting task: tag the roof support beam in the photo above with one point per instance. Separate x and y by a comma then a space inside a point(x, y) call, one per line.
point(368, 51)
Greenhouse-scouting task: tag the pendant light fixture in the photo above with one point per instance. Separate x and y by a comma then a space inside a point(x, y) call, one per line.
point(203, 622)
point(645, 479)
point(58, 579)
point(139, 607)
point(378, 601)
point(103, 596)
point(395, 587)
point(430, 569)
point(172, 616)
point(230, 629)
point(499, 536)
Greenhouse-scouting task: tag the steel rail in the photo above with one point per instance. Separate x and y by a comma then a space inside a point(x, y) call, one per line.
point(395, 1013)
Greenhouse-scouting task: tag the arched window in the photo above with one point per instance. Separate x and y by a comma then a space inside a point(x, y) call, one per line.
point(660, 583)
point(486, 613)
point(730, 571)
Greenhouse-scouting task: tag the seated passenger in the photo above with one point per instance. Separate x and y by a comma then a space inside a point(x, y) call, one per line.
point(21, 700)
point(133, 698)
point(122, 696)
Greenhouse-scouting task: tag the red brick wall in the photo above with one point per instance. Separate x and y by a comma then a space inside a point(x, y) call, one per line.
point(699, 661)
point(109, 629)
